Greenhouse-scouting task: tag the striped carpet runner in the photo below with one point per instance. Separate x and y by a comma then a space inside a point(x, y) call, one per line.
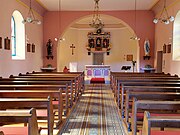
point(94, 114)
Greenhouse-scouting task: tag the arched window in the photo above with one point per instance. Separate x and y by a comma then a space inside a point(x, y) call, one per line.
point(17, 36)
point(13, 36)
point(176, 38)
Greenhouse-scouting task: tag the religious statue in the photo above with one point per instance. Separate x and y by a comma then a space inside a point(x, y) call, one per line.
point(146, 47)
point(98, 42)
point(49, 47)
point(91, 43)
point(105, 43)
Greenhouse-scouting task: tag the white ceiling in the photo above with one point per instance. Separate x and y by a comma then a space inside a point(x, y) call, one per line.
point(104, 5)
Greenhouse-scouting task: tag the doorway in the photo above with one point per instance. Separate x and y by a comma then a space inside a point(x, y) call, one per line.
point(98, 58)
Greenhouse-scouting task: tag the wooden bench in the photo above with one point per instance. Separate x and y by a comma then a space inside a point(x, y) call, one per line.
point(26, 116)
point(78, 75)
point(68, 89)
point(160, 121)
point(123, 87)
point(115, 78)
point(73, 83)
point(39, 87)
point(144, 95)
point(150, 105)
point(20, 103)
point(55, 94)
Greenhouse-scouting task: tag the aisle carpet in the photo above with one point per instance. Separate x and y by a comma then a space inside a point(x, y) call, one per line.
point(94, 114)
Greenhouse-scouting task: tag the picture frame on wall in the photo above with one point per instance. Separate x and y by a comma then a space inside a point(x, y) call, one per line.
point(28, 47)
point(7, 43)
point(0, 42)
point(129, 57)
point(164, 48)
point(168, 48)
point(33, 48)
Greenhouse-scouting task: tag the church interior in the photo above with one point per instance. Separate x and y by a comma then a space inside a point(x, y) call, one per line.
point(95, 67)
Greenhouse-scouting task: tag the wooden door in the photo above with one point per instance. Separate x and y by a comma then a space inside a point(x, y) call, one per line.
point(159, 61)
point(98, 58)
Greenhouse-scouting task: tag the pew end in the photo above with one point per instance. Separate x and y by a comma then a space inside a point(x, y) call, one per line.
point(13, 117)
point(160, 121)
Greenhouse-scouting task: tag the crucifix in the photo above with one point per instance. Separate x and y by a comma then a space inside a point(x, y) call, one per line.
point(72, 47)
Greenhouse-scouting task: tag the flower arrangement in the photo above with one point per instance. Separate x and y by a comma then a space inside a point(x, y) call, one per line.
point(49, 65)
point(148, 66)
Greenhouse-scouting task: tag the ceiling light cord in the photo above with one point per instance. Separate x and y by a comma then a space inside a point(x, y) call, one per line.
point(134, 37)
point(59, 23)
point(96, 20)
point(31, 17)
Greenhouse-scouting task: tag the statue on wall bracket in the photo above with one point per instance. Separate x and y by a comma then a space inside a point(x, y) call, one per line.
point(49, 46)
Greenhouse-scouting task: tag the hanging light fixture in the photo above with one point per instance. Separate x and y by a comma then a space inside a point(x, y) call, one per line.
point(96, 21)
point(30, 17)
point(134, 37)
point(59, 23)
point(164, 17)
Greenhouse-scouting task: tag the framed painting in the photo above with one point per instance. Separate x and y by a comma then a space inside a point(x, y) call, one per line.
point(33, 48)
point(7, 43)
point(168, 48)
point(28, 47)
point(164, 48)
point(130, 57)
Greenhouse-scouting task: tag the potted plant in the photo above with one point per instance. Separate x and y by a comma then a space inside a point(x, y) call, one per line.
point(49, 65)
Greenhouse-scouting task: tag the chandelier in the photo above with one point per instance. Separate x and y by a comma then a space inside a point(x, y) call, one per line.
point(96, 21)
point(164, 17)
point(134, 37)
point(30, 17)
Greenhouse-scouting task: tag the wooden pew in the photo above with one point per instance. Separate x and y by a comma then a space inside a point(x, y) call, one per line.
point(148, 88)
point(119, 77)
point(28, 116)
point(116, 83)
point(121, 88)
point(144, 95)
point(78, 75)
point(146, 80)
point(28, 81)
point(55, 94)
point(13, 103)
point(74, 83)
point(40, 87)
point(149, 105)
point(160, 121)
point(59, 72)
point(115, 75)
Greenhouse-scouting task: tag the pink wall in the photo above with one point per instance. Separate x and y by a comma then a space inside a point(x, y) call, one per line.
point(163, 33)
point(32, 61)
point(144, 28)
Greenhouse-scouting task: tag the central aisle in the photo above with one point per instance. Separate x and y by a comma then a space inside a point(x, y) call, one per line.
point(94, 114)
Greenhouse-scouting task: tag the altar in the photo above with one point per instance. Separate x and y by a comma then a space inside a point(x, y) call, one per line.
point(97, 71)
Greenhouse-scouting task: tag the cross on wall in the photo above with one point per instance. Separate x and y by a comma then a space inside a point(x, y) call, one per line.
point(72, 47)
